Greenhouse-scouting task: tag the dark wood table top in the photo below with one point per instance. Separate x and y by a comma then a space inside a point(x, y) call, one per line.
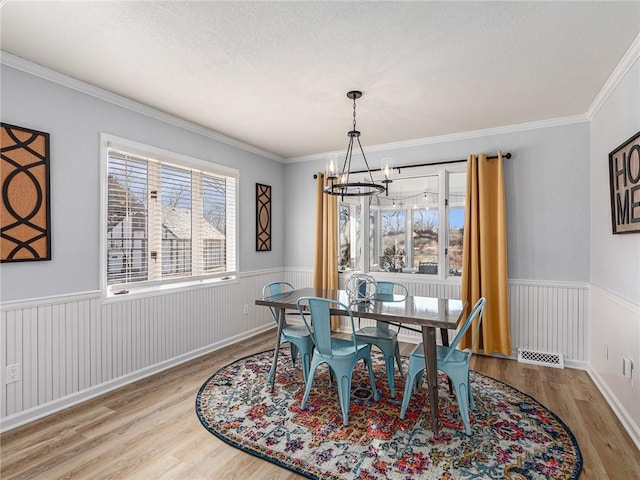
point(415, 310)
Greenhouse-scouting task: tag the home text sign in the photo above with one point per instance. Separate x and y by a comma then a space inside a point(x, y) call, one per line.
point(624, 178)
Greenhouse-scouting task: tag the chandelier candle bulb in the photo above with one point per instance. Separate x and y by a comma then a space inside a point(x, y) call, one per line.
point(387, 171)
point(331, 167)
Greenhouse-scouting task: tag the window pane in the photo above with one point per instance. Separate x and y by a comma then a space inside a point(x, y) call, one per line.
point(349, 230)
point(215, 224)
point(176, 220)
point(457, 189)
point(393, 229)
point(425, 240)
point(126, 220)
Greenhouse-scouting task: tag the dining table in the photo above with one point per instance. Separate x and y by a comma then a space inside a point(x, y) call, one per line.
point(426, 313)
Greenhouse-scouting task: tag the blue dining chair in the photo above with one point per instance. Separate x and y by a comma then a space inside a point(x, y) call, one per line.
point(296, 335)
point(341, 355)
point(381, 335)
point(453, 362)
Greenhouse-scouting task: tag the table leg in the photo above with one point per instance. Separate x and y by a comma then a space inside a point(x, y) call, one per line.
point(444, 334)
point(272, 372)
point(429, 345)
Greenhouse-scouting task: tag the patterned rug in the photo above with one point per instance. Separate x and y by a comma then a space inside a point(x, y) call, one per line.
point(513, 436)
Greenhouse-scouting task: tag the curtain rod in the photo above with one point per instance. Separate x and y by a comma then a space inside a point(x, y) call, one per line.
point(506, 155)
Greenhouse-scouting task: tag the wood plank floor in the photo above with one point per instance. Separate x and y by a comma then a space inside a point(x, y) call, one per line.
point(149, 430)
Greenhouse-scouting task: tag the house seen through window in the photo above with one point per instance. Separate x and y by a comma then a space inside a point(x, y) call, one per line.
point(418, 228)
point(166, 222)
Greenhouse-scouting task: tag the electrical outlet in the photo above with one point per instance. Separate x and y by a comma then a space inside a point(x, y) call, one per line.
point(13, 373)
point(627, 367)
point(245, 310)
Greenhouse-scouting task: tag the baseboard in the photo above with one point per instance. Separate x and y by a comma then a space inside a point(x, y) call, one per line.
point(44, 410)
point(627, 422)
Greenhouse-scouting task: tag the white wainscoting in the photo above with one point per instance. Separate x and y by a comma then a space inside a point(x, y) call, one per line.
point(614, 335)
point(551, 317)
point(72, 348)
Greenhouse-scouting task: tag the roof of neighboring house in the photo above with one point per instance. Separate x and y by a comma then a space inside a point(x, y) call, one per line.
point(178, 221)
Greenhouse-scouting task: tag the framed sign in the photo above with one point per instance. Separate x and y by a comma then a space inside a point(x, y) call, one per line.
point(25, 212)
point(263, 218)
point(624, 182)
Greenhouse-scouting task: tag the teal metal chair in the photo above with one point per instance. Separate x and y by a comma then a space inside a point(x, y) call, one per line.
point(339, 354)
point(453, 362)
point(296, 335)
point(381, 335)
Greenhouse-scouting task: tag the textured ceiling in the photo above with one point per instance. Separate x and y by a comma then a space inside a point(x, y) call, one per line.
point(275, 74)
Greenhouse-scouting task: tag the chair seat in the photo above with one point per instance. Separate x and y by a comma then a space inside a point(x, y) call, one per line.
point(345, 348)
point(295, 331)
point(457, 356)
point(377, 333)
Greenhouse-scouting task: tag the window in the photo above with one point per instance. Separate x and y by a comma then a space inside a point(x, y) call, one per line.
point(417, 228)
point(169, 219)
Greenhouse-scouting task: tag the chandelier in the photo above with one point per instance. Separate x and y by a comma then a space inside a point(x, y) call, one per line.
point(341, 184)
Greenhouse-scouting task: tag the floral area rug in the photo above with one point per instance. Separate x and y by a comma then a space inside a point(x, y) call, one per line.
point(513, 436)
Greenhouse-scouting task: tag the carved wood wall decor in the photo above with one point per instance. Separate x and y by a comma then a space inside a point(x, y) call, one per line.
point(263, 218)
point(25, 218)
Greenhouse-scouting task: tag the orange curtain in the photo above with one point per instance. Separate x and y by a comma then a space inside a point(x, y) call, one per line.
point(325, 255)
point(484, 255)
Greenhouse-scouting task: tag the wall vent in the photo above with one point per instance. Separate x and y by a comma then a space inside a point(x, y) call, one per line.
point(554, 360)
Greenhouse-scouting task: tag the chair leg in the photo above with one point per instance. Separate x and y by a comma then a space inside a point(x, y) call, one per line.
point(294, 353)
point(307, 390)
point(344, 395)
point(372, 380)
point(462, 394)
point(414, 373)
point(305, 366)
point(389, 363)
point(399, 360)
point(272, 371)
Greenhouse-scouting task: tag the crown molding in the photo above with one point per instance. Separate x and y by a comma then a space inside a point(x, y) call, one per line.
point(628, 59)
point(519, 127)
point(19, 63)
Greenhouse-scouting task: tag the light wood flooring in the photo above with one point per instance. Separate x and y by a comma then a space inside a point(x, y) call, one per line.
point(149, 429)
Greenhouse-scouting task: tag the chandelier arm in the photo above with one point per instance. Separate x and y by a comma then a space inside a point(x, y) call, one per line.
point(365, 161)
point(346, 167)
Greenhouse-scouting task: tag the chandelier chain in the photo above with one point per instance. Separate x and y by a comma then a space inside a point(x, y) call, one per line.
point(354, 113)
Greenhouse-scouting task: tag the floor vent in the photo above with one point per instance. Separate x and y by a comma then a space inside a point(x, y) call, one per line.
point(554, 360)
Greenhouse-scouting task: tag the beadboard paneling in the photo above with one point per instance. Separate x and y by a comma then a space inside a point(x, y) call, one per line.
point(69, 346)
point(73, 347)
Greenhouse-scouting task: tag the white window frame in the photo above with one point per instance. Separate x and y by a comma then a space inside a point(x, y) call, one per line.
point(152, 287)
point(442, 171)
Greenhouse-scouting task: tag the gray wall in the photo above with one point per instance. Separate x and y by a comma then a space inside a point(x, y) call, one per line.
point(615, 259)
point(547, 190)
point(74, 121)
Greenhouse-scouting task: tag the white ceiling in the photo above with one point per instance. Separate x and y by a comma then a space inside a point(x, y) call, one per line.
point(275, 74)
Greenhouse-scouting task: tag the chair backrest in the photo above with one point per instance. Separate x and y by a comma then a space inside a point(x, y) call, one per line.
point(385, 291)
point(275, 288)
point(320, 311)
point(476, 312)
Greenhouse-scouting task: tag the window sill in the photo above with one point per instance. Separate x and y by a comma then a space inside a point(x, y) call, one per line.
point(163, 288)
